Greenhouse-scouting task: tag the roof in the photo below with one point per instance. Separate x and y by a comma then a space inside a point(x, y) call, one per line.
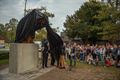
point(2, 37)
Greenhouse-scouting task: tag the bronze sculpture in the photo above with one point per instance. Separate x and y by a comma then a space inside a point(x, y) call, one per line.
point(27, 26)
point(33, 21)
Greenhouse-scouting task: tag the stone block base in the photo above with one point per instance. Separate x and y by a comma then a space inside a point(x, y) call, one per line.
point(23, 57)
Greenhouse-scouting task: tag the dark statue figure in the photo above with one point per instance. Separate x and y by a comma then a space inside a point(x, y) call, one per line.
point(32, 22)
point(27, 26)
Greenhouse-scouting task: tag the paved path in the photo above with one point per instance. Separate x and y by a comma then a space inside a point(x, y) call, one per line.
point(4, 75)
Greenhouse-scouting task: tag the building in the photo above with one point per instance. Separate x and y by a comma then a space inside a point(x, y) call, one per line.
point(65, 37)
point(3, 39)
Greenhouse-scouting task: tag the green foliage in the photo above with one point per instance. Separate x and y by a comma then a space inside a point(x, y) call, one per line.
point(94, 21)
point(1, 29)
point(41, 34)
point(9, 29)
point(110, 23)
point(4, 61)
point(84, 23)
point(4, 55)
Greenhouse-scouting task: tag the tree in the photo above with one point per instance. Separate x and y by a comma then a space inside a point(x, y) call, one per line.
point(94, 21)
point(111, 22)
point(41, 34)
point(84, 23)
point(10, 29)
point(2, 29)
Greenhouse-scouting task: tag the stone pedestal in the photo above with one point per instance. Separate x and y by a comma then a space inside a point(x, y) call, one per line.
point(23, 57)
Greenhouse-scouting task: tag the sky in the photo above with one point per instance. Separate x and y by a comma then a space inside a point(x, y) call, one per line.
point(61, 8)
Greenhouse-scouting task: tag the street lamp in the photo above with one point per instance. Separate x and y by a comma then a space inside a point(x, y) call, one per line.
point(25, 7)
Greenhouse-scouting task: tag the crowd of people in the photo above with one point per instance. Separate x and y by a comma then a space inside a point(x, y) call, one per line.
point(106, 55)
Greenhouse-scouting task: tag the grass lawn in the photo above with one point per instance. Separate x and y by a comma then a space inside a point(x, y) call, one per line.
point(4, 56)
point(83, 71)
point(4, 61)
point(100, 72)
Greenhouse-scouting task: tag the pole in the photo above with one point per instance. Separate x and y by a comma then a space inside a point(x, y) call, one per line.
point(25, 7)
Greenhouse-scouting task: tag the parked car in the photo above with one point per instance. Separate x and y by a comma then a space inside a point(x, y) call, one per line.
point(2, 46)
point(38, 43)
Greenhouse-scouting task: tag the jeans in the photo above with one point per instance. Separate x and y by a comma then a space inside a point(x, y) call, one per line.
point(82, 56)
point(72, 59)
point(45, 59)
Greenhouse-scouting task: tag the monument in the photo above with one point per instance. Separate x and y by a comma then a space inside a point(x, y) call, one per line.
point(24, 53)
point(23, 57)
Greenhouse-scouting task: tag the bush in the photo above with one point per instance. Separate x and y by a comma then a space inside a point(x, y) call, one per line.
point(4, 55)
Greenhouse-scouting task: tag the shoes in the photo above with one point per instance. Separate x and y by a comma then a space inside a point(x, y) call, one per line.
point(62, 67)
point(43, 67)
point(46, 66)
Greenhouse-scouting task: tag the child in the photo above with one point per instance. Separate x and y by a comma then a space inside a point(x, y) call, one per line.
point(108, 62)
point(89, 58)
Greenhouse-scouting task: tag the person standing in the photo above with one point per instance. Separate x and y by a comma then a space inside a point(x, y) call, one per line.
point(114, 53)
point(73, 55)
point(82, 51)
point(62, 57)
point(118, 57)
point(45, 53)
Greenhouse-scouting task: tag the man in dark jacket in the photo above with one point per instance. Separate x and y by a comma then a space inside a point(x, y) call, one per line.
point(45, 53)
point(114, 52)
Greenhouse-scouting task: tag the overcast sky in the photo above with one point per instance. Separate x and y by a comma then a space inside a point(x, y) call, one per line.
point(61, 8)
